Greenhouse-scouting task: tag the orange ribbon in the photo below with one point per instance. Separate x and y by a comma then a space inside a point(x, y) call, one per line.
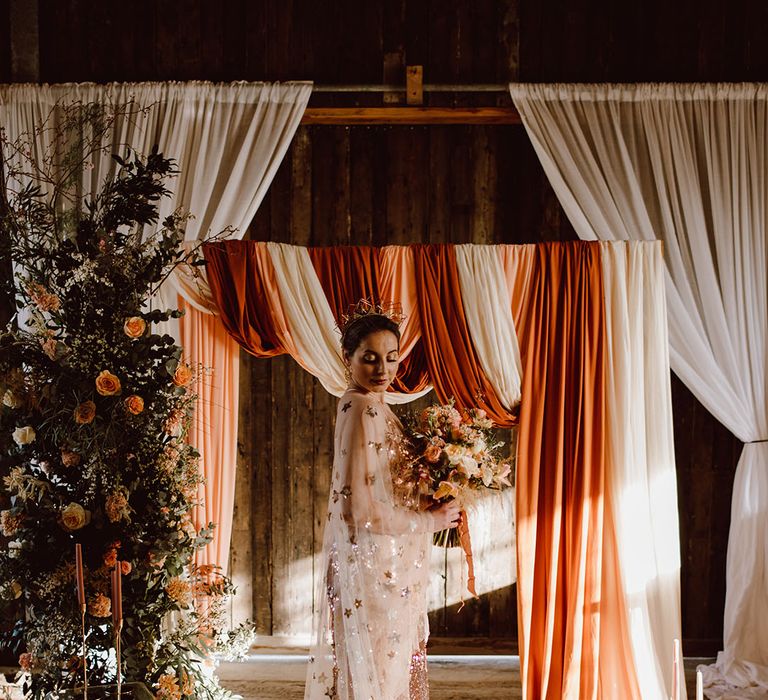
point(466, 545)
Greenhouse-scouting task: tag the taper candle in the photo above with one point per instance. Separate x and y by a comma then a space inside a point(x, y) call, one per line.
point(119, 594)
point(699, 686)
point(79, 574)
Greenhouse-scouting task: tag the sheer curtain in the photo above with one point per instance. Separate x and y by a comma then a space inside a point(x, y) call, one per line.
point(686, 164)
point(228, 141)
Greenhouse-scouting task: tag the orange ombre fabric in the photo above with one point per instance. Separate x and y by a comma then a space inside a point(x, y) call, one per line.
point(347, 274)
point(243, 286)
point(214, 426)
point(573, 632)
point(453, 365)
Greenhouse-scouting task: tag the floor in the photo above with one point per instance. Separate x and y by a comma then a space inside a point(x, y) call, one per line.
point(281, 677)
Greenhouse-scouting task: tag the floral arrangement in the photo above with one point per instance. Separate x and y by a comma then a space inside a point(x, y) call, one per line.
point(454, 455)
point(94, 411)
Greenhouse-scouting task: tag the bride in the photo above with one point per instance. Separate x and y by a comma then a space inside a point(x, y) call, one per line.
point(370, 628)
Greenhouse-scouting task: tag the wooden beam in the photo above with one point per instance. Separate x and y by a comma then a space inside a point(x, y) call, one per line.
point(352, 116)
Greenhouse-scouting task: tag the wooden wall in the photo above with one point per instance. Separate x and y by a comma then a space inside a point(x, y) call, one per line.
point(382, 185)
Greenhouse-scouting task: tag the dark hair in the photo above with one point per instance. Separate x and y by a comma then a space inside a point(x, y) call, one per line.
point(359, 329)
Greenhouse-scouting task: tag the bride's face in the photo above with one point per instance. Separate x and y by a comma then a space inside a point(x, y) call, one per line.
point(374, 363)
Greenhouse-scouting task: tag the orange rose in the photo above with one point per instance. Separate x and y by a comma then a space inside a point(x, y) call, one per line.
point(126, 567)
point(110, 558)
point(183, 375)
point(432, 453)
point(134, 327)
point(85, 412)
point(27, 661)
point(134, 404)
point(100, 606)
point(107, 384)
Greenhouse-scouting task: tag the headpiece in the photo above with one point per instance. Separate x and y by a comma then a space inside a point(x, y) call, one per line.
point(367, 307)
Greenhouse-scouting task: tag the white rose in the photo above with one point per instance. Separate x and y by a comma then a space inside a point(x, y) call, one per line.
point(10, 400)
point(25, 435)
point(468, 466)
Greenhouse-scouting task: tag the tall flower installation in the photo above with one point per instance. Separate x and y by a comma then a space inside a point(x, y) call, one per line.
point(94, 409)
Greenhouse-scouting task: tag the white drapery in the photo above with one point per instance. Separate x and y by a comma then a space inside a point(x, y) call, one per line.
point(687, 164)
point(489, 318)
point(228, 141)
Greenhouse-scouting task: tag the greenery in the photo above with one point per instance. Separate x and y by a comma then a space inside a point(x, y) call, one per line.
point(95, 407)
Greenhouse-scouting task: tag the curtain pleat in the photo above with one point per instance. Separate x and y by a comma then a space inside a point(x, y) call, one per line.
point(453, 364)
point(346, 273)
point(572, 627)
point(214, 421)
point(243, 286)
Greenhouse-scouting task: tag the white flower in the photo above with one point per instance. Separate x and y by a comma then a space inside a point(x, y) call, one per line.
point(25, 435)
point(10, 399)
point(468, 466)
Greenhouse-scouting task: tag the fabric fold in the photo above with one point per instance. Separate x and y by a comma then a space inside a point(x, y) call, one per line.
point(572, 627)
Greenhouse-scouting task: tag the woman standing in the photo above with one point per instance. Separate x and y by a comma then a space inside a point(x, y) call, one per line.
point(371, 612)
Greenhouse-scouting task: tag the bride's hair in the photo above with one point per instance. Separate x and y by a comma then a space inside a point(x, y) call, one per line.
point(360, 328)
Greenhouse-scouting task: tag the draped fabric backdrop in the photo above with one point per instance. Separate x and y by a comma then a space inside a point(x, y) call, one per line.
point(598, 595)
point(228, 141)
point(687, 164)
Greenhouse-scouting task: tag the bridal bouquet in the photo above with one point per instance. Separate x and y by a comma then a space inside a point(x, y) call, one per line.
point(454, 456)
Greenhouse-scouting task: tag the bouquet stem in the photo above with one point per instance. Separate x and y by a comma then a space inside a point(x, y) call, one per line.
point(446, 538)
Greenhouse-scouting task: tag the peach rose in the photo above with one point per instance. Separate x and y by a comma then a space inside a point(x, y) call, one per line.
point(107, 384)
point(110, 558)
point(432, 453)
point(100, 606)
point(74, 517)
point(183, 375)
point(134, 327)
point(85, 413)
point(11, 400)
point(134, 404)
point(69, 458)
point(126, 567)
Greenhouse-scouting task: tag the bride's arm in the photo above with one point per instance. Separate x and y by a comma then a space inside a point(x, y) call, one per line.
point(363, 437)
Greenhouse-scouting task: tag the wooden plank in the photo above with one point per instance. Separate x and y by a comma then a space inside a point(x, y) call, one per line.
point(330, 186)
point(406, 186)
point(484, 184)
point(261, 494)
point(439, 197)
point(241, 548)
point(24, 41)
point(410, 115)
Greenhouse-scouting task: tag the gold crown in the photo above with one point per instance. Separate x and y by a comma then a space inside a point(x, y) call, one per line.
point(367, 307)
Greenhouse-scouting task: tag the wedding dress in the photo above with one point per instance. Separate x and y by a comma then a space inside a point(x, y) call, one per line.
point(371, 629)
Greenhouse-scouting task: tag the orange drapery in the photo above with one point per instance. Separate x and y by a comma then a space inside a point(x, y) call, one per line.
point(573, 635)
point(214, 425)
point(243, 286)
point(346, 273)
point(453, 365)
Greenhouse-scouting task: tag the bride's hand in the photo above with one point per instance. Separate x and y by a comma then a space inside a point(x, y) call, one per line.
point(446, 516)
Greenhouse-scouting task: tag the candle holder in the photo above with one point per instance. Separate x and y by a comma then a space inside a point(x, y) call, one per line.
point(85, 653)
point(118, 655)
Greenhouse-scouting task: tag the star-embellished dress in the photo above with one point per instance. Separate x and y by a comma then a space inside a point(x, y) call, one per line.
point(370, 627)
